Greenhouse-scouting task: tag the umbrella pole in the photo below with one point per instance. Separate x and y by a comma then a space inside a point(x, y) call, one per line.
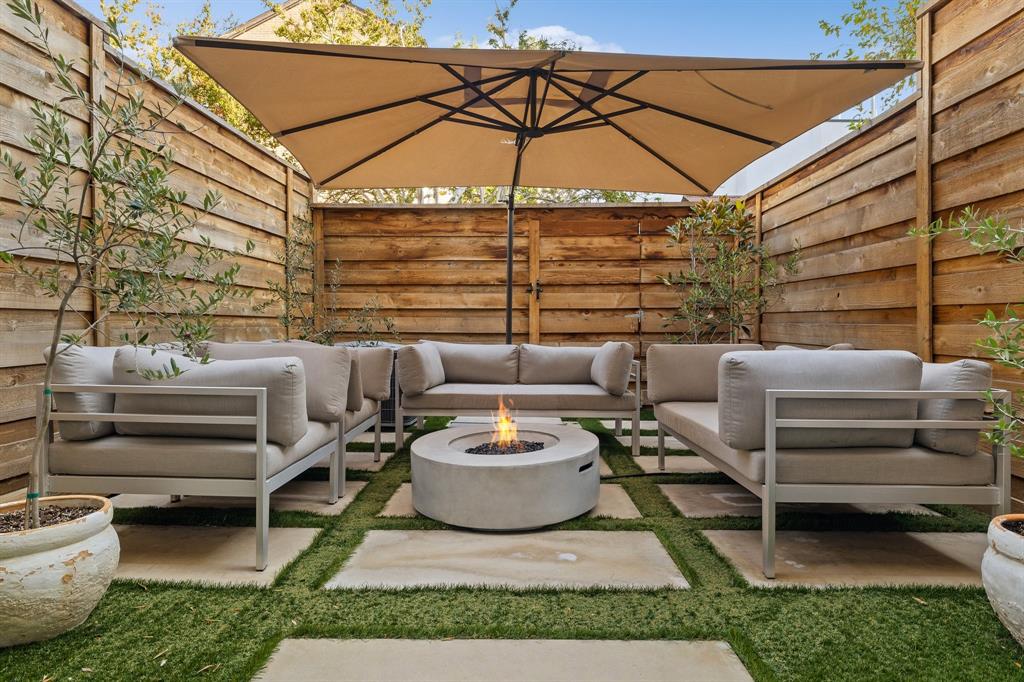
point(509, 246)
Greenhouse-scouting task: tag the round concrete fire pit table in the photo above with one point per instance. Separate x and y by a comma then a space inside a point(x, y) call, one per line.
point(505, 492)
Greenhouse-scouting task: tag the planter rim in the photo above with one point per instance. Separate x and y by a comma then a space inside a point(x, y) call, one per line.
point(104, 508)
point(1004, 540)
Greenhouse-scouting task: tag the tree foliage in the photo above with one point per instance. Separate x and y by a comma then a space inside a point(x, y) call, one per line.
point(1004, 342)
point(875, 30)
point(98, 219)
point(730, 278)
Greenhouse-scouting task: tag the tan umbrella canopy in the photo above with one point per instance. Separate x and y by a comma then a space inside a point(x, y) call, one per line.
point(364, 117)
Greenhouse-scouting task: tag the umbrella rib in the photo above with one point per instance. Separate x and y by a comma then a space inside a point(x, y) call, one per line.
point(805, 66)
point(671, 112)
point(385, 107)
point(494, 123)
point(632, 138)
point(476, 88)
point(591, 122)
point(425, 126)
point(599, 97)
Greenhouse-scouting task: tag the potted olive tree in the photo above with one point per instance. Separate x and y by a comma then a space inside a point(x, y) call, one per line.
point(98, 221)
point(730, 278)
point(1002, 569)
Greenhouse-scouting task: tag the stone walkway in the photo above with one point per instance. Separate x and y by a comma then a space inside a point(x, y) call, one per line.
point(838, 558)
point(676, 464)
point(566, 559)
point(305, 496)
point(224, 556)
point(730, 499)
point(502, 660)
point(614, 503)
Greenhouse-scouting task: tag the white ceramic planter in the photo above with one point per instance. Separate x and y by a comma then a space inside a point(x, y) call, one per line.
point(1002, 572)
point(52, 578)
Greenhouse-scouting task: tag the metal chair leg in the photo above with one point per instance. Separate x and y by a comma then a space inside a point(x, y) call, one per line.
point(376, 440)
point(661, 448)
point(262, 526)
point(768, 535)
point(618, 426)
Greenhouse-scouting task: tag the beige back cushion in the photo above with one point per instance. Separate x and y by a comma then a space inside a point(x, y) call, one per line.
point(419, 368)
point(375, 366)
point(610, 369)
point(283, 378)
point(834, 346)
point(84, 365)
point(687, 372)
point(478, 363)
point(743, 378)
point(555, 364)
point(962, 375)
point(327, 371)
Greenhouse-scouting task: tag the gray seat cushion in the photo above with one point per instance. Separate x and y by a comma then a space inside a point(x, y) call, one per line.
point(478, 363)
point(697, 423)
point(555, 364)
point(419, 368)
point(365, 411)
point(283, 378)
point(744, 377)
point(84, 365)
point(564, 398)
point(687, 372)
point(962, 375)
point(610, 369)
point(180, 457)
point(327, 370)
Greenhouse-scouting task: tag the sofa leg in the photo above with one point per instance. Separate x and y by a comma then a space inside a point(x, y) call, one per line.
point(399, 428)
point(175, 498)
point(618, 426)
point(376, 440)
point(419, 422)
point(768, 535)
point(262, 526)
point(661, 448)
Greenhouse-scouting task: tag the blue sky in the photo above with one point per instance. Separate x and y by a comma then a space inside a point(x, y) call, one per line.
point(726, 28)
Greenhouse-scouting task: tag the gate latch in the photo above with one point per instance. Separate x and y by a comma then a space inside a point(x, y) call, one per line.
point(535, 288)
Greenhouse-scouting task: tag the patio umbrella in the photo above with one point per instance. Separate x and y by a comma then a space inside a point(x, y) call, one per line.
point(368, 117)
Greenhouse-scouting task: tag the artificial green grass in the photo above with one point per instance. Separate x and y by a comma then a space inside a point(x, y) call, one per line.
point(143, 631)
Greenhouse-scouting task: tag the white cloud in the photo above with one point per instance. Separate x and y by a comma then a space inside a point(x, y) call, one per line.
point(557, 34)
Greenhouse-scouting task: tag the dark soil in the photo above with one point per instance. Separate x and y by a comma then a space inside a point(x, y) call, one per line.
point(1014, 526)
point(49, 515)
point(517, 447)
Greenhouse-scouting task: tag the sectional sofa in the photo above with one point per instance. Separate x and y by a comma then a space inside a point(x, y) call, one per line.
point(463, 379)
point(242, 425)
point(831, 426)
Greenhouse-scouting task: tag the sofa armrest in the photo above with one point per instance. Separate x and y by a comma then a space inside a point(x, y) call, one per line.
point(687, 373)
point(257, 419)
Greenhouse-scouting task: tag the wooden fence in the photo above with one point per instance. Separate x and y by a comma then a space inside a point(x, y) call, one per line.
point(439, 271)
point(959, 141)
point(261, 194)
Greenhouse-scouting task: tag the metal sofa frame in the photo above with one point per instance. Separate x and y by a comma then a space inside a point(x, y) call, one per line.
point(259, 488)
point(633, 414)
point(771, 492)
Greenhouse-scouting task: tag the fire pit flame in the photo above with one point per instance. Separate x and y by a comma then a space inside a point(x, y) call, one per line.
point(505, 436)
point(505, 433)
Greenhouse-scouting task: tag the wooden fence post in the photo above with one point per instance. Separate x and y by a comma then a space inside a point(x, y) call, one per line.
point(534, 275)
point(319, 283)
point(755, 327)
point(97, 85)
point(923, 196)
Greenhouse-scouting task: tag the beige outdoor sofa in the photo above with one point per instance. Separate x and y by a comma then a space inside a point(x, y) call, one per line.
point(831, 426)
point(464, 379)
point(251, 420)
